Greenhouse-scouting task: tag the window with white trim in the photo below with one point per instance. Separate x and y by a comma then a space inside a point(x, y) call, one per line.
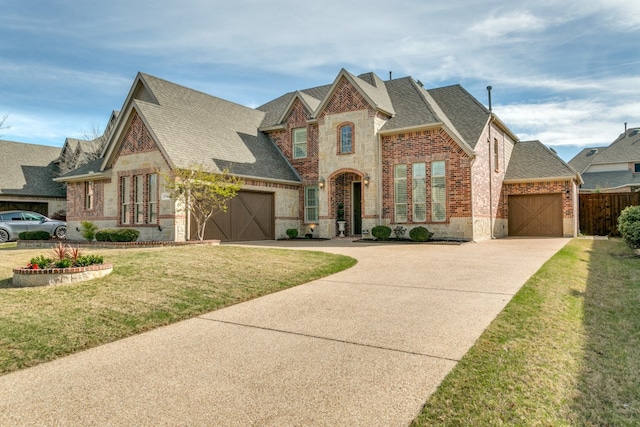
point(125, 201)
point(419, 192)
point(88, 195)
point(438, 192)
point(152, 206)
point(400, 192)
point(346, 139)
point(299, 136)
point(311, 204)
point(138, 197)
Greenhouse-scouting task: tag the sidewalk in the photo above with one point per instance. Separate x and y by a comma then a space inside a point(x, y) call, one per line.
point(366, 346)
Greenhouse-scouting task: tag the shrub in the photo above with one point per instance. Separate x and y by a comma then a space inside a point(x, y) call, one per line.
point(88, 230)
point(63, 263)
point(420, 234)
point(292, 233)
point(381, 232)
point(629, 226)
point(103, 235)
point(34, 235)
point(85, 260)
point(117, 235)
point(41, 261)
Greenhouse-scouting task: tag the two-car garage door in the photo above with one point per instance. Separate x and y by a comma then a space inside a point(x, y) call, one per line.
point(250, 216)
point(535, 215)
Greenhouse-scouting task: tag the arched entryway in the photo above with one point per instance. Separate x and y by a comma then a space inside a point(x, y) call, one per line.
point(346, 188)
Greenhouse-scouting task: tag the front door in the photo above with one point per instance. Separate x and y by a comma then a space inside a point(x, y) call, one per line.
point(356, 208)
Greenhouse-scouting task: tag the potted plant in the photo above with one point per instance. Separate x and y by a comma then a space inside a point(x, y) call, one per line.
point(341, 221)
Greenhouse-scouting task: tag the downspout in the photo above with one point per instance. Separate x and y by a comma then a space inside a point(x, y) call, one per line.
point(489, 164)
point(379, 178)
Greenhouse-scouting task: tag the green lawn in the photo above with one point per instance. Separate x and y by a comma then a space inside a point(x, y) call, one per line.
point(565, 351)
point(147, 288)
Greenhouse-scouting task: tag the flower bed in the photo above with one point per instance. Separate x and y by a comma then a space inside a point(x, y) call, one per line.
point(68, 265)
point(29, 277)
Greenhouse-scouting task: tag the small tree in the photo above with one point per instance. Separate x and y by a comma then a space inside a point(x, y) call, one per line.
point(203, 193)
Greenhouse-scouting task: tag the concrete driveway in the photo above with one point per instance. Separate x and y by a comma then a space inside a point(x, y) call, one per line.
point(363, 347)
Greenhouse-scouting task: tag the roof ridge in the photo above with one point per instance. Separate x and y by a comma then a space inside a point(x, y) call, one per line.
point(197, 91)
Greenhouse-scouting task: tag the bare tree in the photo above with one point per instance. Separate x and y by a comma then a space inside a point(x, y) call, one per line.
point(98, 139)
point(2, 120)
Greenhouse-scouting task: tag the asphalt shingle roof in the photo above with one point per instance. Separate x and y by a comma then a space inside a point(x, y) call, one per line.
point(29, 169)
point(532, 160)
point(585, 157)
point(605, 180)
point(196, 128)
point(465, 112)
point(626, 148)
point(411, 108)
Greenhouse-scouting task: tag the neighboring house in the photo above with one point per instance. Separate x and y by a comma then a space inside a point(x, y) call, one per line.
point(612, 169)
point(391, 151)
point(26, 179)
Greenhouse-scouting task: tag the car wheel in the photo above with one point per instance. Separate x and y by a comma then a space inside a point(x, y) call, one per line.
point(4, 236)
point(60, 232)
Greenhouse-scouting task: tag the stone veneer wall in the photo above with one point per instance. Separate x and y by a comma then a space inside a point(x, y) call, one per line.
point(23, 277)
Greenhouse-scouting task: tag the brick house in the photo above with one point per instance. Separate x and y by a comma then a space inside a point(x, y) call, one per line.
point(390, 152)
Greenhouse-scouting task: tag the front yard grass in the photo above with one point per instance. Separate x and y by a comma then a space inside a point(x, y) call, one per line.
point(565, 351)
point(148, 288)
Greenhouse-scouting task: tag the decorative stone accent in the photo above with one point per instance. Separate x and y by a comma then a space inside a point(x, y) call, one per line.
point(26, 277)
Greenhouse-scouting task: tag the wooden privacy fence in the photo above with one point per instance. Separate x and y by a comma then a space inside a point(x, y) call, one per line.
point(599, 212)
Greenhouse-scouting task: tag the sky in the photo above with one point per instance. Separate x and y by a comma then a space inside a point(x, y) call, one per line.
point(566, 72)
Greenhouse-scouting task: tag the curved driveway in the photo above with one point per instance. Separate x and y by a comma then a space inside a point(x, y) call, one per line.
point(366, 346)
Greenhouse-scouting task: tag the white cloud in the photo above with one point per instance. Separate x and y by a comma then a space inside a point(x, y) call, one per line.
point(512, 22)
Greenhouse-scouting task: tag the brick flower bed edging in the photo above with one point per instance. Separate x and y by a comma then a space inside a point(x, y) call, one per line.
point(27, 277)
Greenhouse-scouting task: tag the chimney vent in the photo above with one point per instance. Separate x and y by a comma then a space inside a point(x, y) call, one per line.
point(489, 91)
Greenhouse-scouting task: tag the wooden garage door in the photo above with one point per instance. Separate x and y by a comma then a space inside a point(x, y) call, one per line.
point(535, 215)
point(250, 216)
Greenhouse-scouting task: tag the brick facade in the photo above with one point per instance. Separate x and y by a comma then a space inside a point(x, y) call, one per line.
point(553, 187)
point(425, 147)
point(75, 201)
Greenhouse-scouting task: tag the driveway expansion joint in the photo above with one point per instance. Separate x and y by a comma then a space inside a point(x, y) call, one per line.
point(264, 328)
point(466, 291)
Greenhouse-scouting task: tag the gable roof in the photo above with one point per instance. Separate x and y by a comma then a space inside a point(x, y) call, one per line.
point(585, 157)
point(191, 127)
point(532, 161)
point(276, 109)
point(467, 114)
point(625, 149)
point(29, 169)
point(407, 104)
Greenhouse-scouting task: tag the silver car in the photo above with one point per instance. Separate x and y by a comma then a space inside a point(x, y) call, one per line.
point(12, 223)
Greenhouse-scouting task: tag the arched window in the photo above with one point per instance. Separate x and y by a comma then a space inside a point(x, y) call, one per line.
point(346, 139)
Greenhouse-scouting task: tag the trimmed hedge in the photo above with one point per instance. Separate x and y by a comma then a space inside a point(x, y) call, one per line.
point(420, 234)
point(629, 226)
point(34, 235)
point(381, 232)
point(117, 235)
point(292, 233)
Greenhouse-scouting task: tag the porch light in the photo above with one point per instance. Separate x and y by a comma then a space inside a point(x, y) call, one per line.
point(366, 179)
point(321, 183)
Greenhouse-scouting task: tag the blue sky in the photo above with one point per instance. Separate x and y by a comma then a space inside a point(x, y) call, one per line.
point(564, 72)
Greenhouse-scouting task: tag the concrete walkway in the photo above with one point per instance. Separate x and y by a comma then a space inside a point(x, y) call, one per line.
point(364, 347)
